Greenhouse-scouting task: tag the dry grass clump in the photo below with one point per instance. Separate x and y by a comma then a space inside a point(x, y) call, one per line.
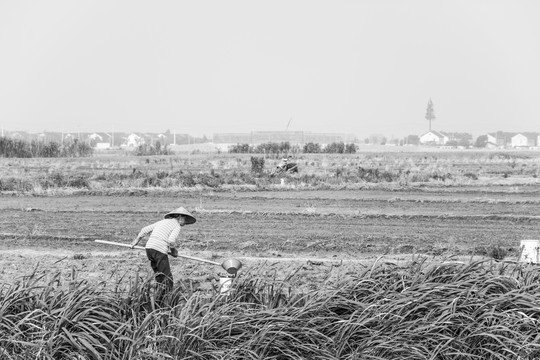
point(480, 310)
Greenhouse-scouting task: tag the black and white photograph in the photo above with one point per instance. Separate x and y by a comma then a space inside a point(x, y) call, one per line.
point(302, 179)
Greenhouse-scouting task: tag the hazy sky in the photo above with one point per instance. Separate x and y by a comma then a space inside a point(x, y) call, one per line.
point(202, 67)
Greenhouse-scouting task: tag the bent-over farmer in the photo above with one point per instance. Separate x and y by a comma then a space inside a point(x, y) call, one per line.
point(162, 241)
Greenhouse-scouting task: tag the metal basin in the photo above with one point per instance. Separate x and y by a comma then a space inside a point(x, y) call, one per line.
point(231, 266)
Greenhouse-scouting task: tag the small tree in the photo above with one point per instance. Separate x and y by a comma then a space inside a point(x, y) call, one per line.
point(351, 148)
point(466, 141)
point(312, 148)
point(412, 140)
point(335, 148)
point(481, 141)
point(257, 164)
point(240, 149)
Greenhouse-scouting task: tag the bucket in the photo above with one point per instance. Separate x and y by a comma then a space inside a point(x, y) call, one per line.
point(225, 284)
point(232, 266)
point(530, 251)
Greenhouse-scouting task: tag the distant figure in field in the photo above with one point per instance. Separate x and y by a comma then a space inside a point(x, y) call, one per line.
point(286, 165)
point(162, 242)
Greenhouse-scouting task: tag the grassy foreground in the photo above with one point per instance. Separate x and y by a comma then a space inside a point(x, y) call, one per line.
point(476, 310)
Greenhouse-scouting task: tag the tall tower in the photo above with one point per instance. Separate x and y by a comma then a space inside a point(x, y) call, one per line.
point(430, 113)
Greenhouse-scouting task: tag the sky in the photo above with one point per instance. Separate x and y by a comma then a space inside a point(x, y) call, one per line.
point(212, 66)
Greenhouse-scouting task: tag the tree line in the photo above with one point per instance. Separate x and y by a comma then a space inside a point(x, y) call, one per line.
point(15, 148)
point(285, 147)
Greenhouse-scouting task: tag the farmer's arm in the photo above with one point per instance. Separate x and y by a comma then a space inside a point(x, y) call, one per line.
point(172, 237)
point(144, 231)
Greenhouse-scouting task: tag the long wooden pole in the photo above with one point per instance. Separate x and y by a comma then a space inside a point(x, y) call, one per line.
point(142, 248)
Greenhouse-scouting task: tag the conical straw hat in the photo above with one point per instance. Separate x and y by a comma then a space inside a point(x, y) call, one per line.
point(190, 219)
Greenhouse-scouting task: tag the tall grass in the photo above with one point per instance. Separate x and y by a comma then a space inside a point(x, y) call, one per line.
point(479, 310)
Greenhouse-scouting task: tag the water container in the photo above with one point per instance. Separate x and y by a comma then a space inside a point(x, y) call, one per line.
point(225, 284)
point(530, 251)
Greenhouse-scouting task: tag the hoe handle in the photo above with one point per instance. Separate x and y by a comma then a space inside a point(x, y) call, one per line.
point(199, 259)
point(142, 248)
point(119, 244)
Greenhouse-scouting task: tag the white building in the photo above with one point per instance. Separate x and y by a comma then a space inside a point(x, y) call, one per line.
point(133, 140)
point(524, 140)
point(103, 145)
point(491, 141)
point(433, 138)
point(95, 137)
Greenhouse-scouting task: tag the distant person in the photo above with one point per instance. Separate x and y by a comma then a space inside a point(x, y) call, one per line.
point(285, 162)
point(162, 242)
point(286, 166)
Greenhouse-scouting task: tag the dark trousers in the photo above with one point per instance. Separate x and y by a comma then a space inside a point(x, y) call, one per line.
point(162, 269)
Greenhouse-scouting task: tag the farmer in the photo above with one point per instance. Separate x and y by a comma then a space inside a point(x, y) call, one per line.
point(162, 241)
point(285, 162)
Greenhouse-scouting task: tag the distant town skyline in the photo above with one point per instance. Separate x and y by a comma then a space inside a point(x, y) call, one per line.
point(365, 67)
point(283, 135)
point(108, 140)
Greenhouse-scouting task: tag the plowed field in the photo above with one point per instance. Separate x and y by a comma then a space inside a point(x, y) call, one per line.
point(302, 227)
point(449, 205)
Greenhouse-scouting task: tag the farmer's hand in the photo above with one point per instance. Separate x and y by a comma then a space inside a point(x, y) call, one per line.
point(133, 243)
point(173, 252)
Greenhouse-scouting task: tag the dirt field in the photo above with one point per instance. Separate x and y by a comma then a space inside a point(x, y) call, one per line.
point(339, 213)
point(313, 230)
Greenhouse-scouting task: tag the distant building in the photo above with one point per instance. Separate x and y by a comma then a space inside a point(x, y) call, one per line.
point(95, 137)
point(133, 140)
point(103, 145)
point(519, 140)
point(433, 138)
point(522, 140)
point(233, 138)
point(328, 138)
point(292, 137)
point(499, 139)
point(100, 141)
point(458, 138)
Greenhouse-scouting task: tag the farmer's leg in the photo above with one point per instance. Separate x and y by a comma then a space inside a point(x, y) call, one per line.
point(151, 255)
point(164, 270)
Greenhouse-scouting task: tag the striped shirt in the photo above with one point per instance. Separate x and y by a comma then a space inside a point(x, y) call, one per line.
point(163, 235)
